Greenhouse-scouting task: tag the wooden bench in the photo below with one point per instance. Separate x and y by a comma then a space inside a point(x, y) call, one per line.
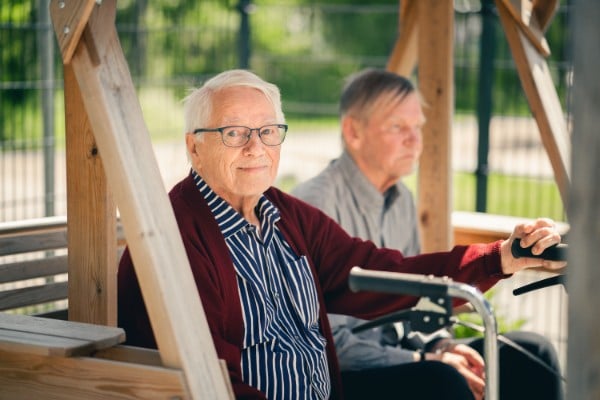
point(79, 361)
point(34, 266)
point(33, 280)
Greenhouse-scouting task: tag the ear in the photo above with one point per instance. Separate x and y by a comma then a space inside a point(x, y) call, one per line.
point(190, 144)
point(351, 132)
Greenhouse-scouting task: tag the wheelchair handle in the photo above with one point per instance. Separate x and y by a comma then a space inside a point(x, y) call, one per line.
point(558, 252)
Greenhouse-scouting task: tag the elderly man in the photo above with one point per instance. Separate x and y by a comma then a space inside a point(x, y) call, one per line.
point(381, 117)
point(268, 266)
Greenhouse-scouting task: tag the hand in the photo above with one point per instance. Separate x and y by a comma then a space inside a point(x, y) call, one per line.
point(540, 234)
point(468, 362)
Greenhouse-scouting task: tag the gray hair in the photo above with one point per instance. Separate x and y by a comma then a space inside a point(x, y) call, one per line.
point(198, 107)
point(364, 88)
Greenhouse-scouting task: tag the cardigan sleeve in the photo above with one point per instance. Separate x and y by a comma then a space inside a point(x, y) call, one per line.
point(333, 254)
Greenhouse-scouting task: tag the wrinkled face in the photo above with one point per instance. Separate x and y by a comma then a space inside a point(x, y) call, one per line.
point(237, 174)
point(387, 143)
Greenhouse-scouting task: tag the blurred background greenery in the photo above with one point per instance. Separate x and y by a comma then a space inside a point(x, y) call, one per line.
point(305, 47)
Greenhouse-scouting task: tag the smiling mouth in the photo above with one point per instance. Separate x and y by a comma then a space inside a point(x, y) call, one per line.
point(253, 168)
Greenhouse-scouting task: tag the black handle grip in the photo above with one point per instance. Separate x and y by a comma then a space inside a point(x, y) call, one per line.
point(558, 252)
point(553, 280)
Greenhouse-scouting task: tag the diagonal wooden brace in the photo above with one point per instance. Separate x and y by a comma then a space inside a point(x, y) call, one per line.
point(526, 19)
point(69, 18)
point(94, 53)
point(543, 100)
point(404, 55)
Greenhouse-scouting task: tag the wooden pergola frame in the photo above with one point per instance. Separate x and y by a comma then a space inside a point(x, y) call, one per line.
point(110, 164)
point(425, 41)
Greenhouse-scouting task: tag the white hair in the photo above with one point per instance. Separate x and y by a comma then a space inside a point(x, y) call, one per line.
point(198, 107)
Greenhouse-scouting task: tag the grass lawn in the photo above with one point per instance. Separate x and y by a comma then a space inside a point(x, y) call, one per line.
point(507, 195)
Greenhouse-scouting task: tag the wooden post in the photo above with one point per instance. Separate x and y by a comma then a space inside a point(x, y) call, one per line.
point(583, 356)
point(91, 219)
point(436, 84)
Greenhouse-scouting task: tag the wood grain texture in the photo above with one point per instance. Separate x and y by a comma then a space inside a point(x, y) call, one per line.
point(69, 18)
point(436, 84)
point(44, 336)
point(30, 376)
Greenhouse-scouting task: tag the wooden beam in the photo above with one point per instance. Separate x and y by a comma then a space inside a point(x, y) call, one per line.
point(543, 100)
point(403, 59)
point(30, 376)
point(544, 11)
point(69, 20)
point(522, 13)
point(436, 77)
point(91, 218)
point(152, 234)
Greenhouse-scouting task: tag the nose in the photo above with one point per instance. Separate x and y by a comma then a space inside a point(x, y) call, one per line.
point(253, 137)
point(254, 143)
point(413, 135)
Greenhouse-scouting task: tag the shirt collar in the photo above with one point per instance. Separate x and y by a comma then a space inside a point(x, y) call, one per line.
point(363, 188)
point(229, 220)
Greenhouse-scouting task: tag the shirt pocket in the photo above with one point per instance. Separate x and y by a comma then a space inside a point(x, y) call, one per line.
point(300, 285)
point(258, 313)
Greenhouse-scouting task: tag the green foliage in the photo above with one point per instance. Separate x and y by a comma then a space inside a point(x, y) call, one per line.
point(504, 324)
point(511, 195)
point(306, 47)
point(18, 61)
point(193, 39)
point(310, 49)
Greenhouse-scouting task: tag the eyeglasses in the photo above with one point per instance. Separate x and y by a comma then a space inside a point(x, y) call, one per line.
point(237, 136)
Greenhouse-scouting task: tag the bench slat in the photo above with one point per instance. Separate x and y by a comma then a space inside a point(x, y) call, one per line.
point(41, 267)
point(39, 236)
point(45, 336)
point(43, 345)
point(15, 298)
point(33, 242)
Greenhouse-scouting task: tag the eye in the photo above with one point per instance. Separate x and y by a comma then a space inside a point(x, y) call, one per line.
point(394, 128)
point(235, 131)
point(267, 131)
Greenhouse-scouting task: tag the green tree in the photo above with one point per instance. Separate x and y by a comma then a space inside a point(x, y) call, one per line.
point(18, 62)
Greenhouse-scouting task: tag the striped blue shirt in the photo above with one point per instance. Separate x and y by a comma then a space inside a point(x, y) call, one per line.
point(283, 351)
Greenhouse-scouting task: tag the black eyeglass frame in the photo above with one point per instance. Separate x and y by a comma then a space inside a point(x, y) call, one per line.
point(222, 129)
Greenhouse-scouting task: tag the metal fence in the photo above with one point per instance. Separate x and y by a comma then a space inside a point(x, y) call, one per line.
point(306, 49)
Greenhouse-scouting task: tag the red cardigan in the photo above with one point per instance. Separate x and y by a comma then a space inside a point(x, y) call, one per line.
point(331, 254)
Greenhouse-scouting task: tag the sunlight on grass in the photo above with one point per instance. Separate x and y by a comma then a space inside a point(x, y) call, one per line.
point(507, 195)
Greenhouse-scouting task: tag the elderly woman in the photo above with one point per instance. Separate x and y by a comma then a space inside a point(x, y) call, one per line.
point(268, 266)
